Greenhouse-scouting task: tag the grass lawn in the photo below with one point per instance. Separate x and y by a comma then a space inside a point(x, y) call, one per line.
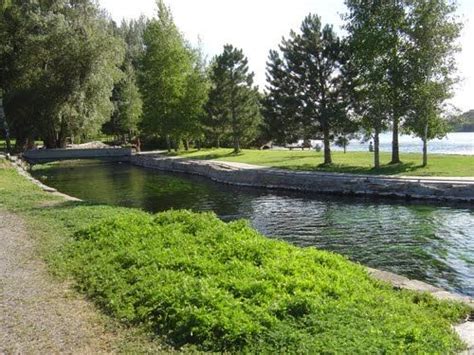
point(351, 162)
point(196, 283)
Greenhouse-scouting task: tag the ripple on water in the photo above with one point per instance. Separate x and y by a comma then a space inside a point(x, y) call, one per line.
point(427, 242)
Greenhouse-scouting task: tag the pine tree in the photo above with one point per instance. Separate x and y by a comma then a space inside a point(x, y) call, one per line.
point(282, 112)
point(311, 72)
point(233, 100)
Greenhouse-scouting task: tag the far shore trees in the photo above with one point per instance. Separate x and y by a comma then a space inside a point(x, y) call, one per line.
point(306, 85)
point(233, 107)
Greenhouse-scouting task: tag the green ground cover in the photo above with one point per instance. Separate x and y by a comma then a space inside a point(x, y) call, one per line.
point(351, 162)
point(192, 280)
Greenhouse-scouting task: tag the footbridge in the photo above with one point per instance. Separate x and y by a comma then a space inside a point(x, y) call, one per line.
point(41, 156)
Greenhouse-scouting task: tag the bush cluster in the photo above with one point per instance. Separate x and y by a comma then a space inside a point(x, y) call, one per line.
point(215, 286)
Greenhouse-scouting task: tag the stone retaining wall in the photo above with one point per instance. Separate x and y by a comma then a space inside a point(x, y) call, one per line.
point(346, 184)
point(39, 156)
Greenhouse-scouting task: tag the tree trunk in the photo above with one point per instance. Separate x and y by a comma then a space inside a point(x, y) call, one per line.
point(8, 141)
point(218, 142)
point(20, 143)
point(186, 144)
point(327, 146)
point(176, 145)
point(377, 149)
point(345, 146)
point(5, 126)
point(395, 146)
point(236, 145)
point(198, 143)
point(425, 146)
point(168, 143)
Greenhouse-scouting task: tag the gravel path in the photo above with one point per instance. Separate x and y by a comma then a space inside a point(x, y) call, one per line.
point(39, 315)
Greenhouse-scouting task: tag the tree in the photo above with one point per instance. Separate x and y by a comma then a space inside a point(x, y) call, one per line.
point(433, 32)
point(281, 107)
point(60, 69)
point(172, 82)
point(127, 102)
point(126, 97)
point(233, 100)
point(192, 107)
point(312, 71)
point(377, 31)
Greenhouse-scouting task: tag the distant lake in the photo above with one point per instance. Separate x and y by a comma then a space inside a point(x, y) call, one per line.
point(453, 143)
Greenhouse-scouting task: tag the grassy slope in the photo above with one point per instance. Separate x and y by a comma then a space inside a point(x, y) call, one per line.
point(222, 286)
point(351, 162)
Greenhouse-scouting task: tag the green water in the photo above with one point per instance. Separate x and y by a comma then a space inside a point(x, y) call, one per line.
point(433, 243)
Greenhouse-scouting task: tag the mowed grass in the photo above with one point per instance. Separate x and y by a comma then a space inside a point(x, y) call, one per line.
point(351, 162)
point(196, 283)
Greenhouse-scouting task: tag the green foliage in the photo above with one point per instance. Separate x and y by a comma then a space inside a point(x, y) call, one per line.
point(224, 287)
point(404, 53)
point(59, 64)
point(234, 103)
point(307, 85)
point(433, 33)
point(197, 280)
point(173, 84)
point(128, 103)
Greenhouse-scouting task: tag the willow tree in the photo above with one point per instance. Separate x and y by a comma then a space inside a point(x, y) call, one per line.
point(60, 72)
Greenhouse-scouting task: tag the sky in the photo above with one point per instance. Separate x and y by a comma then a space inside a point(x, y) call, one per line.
point(257, 26)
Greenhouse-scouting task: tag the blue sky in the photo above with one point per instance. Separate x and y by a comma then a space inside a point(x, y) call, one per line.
point(257, 26)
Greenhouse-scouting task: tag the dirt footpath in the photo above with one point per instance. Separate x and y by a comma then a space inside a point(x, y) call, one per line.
point(39, 315)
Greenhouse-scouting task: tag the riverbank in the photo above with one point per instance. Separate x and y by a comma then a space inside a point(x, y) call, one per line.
point(40, 308)
point(457, 190)
point(64, 219)
point(439, 165)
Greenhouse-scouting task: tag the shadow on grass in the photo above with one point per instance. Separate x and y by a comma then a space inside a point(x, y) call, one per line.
point(209, 156)
point(387, 169)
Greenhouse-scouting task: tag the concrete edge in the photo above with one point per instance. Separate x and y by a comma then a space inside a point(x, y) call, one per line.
point(317, 182)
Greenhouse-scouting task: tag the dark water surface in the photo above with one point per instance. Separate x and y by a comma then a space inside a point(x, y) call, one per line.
point(428, 242)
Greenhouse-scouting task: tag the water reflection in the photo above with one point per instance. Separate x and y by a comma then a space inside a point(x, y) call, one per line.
point(427, 242)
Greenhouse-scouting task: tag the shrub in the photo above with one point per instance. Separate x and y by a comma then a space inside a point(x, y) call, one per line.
point(223, 287)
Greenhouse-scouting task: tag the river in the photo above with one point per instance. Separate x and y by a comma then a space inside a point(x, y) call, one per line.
point(429, 242)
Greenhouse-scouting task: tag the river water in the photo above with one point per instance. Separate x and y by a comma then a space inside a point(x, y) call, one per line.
point(428, 242)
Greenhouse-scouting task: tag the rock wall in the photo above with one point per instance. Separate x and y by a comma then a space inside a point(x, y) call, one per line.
point(320, 182)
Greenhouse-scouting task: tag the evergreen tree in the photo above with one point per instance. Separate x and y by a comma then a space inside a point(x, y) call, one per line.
point(233, 100)
point(281, 109)
point(312, 73)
